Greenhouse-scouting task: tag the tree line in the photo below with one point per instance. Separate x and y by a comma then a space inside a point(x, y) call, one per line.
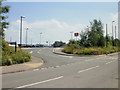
point(95, 37)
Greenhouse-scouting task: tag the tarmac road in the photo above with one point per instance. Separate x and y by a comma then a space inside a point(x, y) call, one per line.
point(66, 72)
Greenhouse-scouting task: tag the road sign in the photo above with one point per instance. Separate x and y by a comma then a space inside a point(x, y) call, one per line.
point(76, 34)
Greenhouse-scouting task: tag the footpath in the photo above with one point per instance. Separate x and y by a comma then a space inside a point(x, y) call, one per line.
point(34, 63)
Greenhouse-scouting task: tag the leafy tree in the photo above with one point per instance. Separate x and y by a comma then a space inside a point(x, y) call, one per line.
point(72, 42)
point(84, 39)
point(3, 24)
point(95, 36)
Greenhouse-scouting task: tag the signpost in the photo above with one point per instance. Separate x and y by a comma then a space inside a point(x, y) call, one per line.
point(14, 43)
point(76, 35)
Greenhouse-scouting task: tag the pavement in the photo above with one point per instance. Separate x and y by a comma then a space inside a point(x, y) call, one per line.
point(34, 63)
point(61, 71)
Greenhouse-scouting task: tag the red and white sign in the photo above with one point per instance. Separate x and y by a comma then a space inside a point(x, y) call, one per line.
point(76, 34)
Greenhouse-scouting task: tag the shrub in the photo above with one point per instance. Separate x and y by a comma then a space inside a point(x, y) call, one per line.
point(90, 51)
point(9, 56)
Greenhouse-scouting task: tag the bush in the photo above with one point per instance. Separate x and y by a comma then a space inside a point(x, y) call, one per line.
point(9, 56)
point(90, 51)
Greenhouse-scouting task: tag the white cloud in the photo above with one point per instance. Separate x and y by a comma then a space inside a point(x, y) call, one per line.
point(52, 30)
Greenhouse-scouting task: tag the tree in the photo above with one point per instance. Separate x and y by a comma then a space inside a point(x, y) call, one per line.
point(84, 39)
point(3, 24)
point(95, 36)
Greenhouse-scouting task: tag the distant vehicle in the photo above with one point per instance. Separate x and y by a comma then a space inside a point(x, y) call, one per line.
point(59, 44)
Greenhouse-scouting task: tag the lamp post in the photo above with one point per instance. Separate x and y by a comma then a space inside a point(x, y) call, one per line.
point(40, 37)
point(71, 35)
point(106, 36)
point(112, 33)
point(115, 36)
point(26, 34)
point(115, 32)
point(112, 29)
point(21, 30)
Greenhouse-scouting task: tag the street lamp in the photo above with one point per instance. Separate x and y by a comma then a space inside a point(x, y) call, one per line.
point(26, 34)
point(106, 36)
point(21, 30)
point(71, 35)
point(40, 37)
point(112, 33)
point(112, 29)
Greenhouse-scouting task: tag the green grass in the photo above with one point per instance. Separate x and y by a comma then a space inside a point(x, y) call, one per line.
point(90, 51)
point(10, 57)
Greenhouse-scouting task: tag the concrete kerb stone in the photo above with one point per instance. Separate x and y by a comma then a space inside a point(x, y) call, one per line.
point(22, 67)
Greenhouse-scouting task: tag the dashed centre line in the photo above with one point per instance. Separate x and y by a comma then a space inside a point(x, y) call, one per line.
point(40, 82)
point(88, 69)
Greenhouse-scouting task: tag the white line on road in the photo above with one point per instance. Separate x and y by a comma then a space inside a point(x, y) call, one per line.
point(40, 82)
point(110, 62)
point(35, 69)
point(88, 69)
point(57, 66)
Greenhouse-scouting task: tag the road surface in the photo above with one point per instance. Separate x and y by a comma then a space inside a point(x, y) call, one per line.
point(66, 72)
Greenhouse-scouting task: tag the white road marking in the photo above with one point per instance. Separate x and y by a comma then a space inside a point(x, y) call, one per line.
point(57, 66)
point(110, 62)
point(43, 68)
point(40, 82)
point(31, 51)
point(87, 69)
point(70, 56)
point(35, 69)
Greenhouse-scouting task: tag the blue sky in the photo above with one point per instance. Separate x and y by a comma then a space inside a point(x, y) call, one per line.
point(55, 19)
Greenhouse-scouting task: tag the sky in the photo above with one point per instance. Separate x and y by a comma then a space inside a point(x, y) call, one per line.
point(57, 19)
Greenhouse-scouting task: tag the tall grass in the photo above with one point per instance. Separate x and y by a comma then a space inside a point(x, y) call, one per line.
point(10, 57)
